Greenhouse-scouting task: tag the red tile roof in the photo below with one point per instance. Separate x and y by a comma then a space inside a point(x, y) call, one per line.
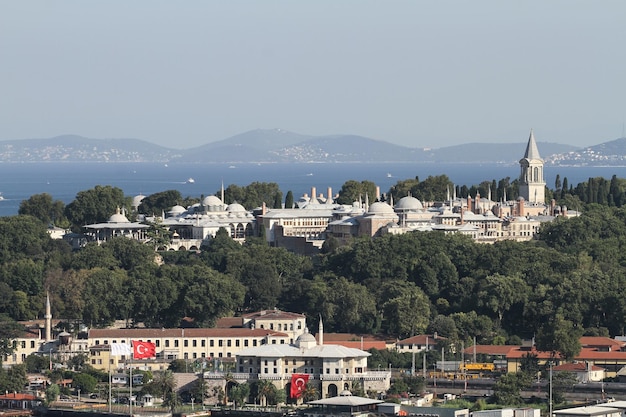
point(348, 337)
point(597, 341)
point(490, 349)
point(518, 353)
point(421, 340)
point(228, 322)
point(366, 345)
point(594, 354)
point(18, 396)
point(189, 332)
point(576, 367)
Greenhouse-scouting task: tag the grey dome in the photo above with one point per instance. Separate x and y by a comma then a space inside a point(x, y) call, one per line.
point(305, 337)
point(235, 208)
point(177, 210)
point(211, 200)
point(118, 217)
point(380, 208)
point(409, 203)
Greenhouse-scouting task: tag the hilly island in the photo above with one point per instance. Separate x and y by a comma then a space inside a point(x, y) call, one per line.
point(281, 146)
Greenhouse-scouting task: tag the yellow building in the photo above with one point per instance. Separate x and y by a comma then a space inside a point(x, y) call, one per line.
point(187, 344)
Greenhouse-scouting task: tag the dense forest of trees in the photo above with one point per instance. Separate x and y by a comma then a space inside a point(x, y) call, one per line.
point(568, 282)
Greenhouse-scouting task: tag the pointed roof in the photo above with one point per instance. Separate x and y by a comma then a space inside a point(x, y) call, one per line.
point(531, 149)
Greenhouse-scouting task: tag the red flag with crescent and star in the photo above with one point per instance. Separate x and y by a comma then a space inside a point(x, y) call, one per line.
point(143, 350)
point(298, 384)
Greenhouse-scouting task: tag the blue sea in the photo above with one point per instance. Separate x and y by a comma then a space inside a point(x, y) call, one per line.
point(18, 181)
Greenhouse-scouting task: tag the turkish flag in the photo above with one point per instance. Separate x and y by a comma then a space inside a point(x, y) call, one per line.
point(298, 384)
point(143, 350)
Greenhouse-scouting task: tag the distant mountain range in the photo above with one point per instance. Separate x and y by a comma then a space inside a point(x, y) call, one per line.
point(277, 145)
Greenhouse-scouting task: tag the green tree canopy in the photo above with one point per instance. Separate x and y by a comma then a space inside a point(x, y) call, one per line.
point(156, 203)
point(44, 208)
point(84, 382)
point(95, 205)
point(352, 191)
point(253, 195)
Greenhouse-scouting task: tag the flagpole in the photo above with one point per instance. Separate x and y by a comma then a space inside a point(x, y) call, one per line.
point(110, 405)
point(130, 399)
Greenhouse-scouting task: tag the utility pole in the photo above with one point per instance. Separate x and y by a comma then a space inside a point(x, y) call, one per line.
point(550, 415)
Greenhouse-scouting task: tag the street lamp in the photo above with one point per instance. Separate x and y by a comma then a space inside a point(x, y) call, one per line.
point(78, 394)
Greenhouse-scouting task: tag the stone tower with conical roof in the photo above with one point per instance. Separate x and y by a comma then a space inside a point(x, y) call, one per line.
point(531, 183)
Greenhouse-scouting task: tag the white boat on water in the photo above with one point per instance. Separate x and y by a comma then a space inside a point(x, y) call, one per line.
point(190, 180)
point(1, 197)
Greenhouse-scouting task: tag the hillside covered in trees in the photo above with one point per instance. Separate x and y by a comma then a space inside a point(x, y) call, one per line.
point(569, 282)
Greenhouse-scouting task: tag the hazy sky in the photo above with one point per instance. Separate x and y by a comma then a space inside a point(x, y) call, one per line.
point(416, 73)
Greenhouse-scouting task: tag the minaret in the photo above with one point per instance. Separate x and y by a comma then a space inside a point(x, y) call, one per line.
point(320, 330)
point(531, 183)
point(48, 317)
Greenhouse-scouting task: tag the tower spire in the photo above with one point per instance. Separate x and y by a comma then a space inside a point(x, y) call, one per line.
point(48, 317)
point(320, 330)
point(531, 182)
point(532, 152)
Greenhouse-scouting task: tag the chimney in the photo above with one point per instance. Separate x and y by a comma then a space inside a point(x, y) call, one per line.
point(520, 209)
point(469, 202)
point(313, 192)
point(378, 193)
point(330, 196)
point(263, 208)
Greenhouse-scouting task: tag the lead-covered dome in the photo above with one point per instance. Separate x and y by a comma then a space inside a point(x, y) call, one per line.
point(118, 217)
point(380, 208)
point(211, 200)
point(235, 208)
point(176, 210)
point(409, 203)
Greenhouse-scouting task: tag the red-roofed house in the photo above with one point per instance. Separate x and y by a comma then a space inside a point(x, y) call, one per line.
point(603, 344)
point(17, 401)
point(419, 343)
point(585, 372)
